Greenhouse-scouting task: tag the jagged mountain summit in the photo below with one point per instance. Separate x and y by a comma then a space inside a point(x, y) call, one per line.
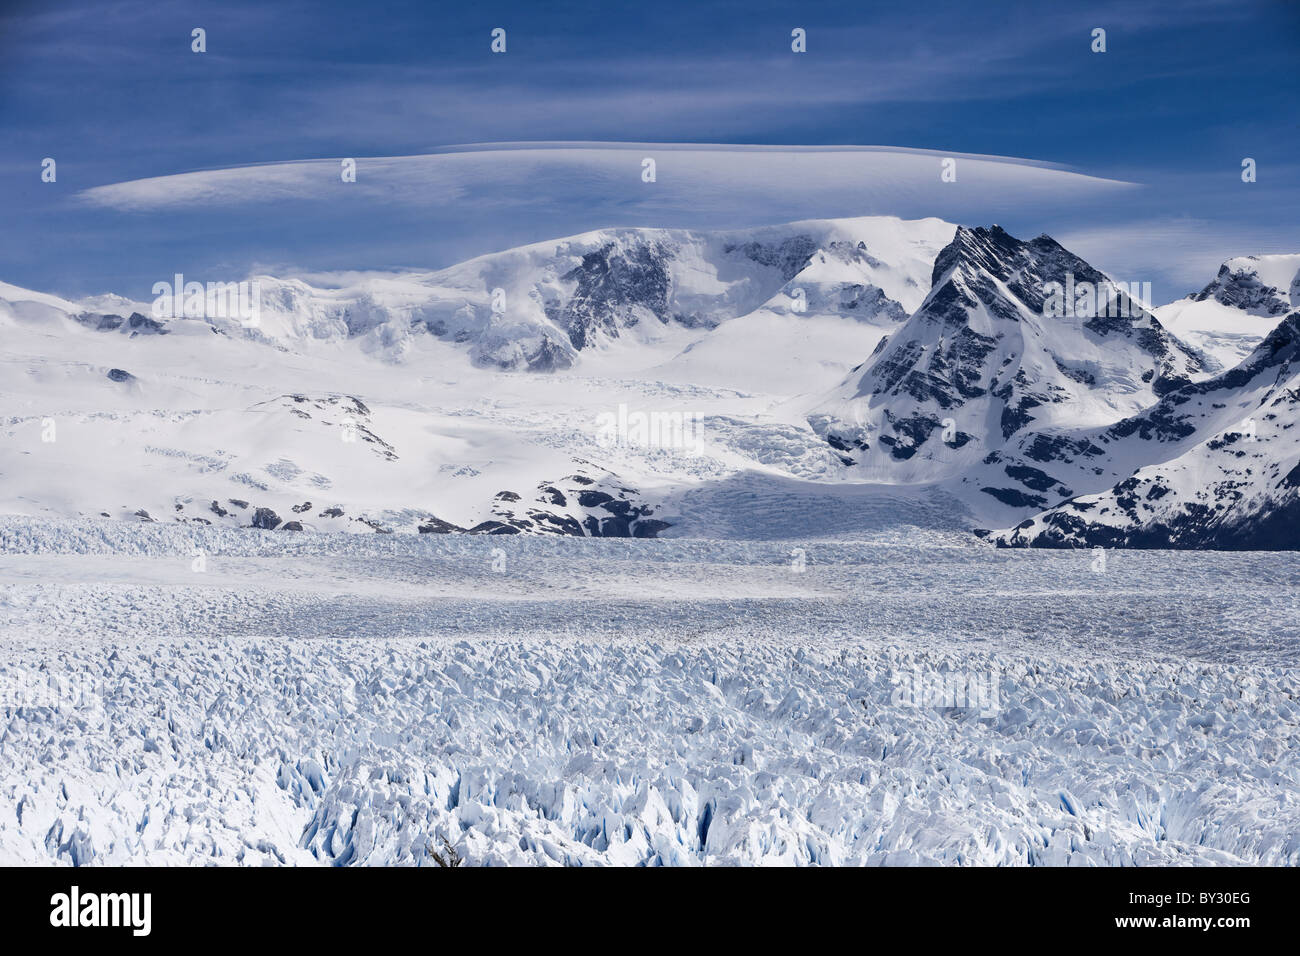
point(1012, 336)
point(1259, 285)
point(1217, 465)
point(1233, 313)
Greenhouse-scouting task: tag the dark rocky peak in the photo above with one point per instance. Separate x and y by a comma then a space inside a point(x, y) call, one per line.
point(1238, 285)
point(790, 256)
point(975, 256)
point(611, 282)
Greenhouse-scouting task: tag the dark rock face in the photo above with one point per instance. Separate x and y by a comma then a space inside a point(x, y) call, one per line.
point(265, 519)
point(557, 524)
point(553, 495)
point(1032, 477)
point(432, 525)
point(571, 507)
point(789, 256)
point(612, 512)
point(548, 357)
point(136, 324)
point(956, 373)
point(1241, 288)
point(143, 325)
point(611, 282)
point(120, 375)
point(1047, 448)
point(908, 434)
point(1015, 498)
point(949, 376)
point(846, 444)
point(1291, 479)
point(649, 528)
point(1193, 527)
point(100, 323)
point(1082, 376)
point(1174, 418)
point(870, 300)
point(623, 281)
point(493, 527)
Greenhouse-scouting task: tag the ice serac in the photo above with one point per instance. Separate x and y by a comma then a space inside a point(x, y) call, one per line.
point(984, 359)
point(1232, 314)
point(1222, 472)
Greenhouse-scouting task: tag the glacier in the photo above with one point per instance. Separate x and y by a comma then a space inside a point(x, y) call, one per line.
point(352, 700)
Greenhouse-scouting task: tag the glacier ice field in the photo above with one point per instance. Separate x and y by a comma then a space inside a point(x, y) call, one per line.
point(173, 695)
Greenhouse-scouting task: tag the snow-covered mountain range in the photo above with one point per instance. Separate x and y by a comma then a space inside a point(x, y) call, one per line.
point(825, 364)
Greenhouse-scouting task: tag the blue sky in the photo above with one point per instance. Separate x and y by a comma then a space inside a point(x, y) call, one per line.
point(113, 92)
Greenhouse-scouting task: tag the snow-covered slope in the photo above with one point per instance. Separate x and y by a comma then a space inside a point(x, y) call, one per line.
point(983, 359)
point(1231, 315)
point(539, 307)
point(200, 425)
point(405, 403)
point(1218, 465)
point(861, 280)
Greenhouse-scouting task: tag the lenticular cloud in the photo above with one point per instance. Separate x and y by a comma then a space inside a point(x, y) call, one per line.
point(719, 182)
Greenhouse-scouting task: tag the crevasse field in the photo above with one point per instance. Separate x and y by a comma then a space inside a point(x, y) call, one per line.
point(181, 695)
